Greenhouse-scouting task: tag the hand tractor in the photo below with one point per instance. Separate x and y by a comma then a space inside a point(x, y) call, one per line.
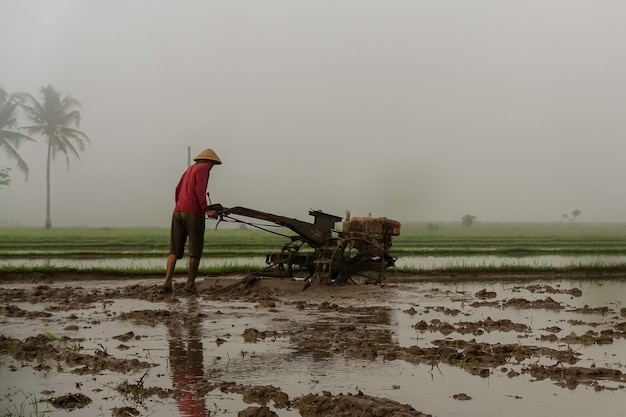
point(357, 252)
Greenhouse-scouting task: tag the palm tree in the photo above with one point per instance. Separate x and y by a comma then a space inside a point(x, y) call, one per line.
point(10, 139)
point(56, 119)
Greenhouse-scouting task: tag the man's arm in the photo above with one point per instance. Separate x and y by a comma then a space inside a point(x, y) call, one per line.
point(202, 181)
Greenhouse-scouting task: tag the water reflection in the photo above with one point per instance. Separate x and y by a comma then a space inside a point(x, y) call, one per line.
point(186, 360)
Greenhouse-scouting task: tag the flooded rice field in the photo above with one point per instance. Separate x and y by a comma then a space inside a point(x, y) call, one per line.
point(551, 345)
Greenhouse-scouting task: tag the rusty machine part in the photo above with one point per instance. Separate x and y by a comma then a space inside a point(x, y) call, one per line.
point(358, 252)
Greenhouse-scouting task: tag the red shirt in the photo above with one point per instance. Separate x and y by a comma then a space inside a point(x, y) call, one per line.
point(191, 189)
point(189, 404)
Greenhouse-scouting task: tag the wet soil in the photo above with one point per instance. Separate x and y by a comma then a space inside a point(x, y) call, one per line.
point(280, 348)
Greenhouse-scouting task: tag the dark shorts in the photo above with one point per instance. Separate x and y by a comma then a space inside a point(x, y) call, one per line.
point(185, 225)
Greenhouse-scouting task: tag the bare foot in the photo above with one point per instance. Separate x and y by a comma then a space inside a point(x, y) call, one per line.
point(166, 289)
point(191, 289)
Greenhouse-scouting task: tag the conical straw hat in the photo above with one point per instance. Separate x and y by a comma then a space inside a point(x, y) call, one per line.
point(208, 154)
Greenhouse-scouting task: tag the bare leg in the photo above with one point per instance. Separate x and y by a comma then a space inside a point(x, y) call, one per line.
point(194, 263)
point(169, 272)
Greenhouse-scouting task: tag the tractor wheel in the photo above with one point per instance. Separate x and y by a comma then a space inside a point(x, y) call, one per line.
point(359, 261)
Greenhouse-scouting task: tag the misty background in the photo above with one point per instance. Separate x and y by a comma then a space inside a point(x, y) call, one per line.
point(413, 110)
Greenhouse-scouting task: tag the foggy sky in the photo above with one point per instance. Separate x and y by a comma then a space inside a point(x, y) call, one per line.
point(413, 110)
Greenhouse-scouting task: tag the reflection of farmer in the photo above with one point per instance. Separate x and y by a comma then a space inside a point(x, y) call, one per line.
point(188, 217)
point(186, 361)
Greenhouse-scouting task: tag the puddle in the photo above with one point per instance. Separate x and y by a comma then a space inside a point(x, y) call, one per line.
point(202, 353)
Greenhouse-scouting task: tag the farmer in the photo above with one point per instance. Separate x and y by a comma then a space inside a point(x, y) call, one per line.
point(188, 218)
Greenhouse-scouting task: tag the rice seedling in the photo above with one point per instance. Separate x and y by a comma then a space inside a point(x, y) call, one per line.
point(29, 407)
point(73, 346)
point(132, 251)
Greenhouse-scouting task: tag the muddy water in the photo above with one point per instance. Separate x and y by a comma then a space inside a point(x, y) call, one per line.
point(342, 340)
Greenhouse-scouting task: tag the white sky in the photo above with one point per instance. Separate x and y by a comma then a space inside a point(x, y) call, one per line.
point(415, 110)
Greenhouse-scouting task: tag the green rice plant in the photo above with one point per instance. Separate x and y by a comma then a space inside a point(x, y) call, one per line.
point(466, 268)
point(132, 271)
point(503, 239)
point(122, 240)
point(74, 346)
point(486, 239)
point(105, 273)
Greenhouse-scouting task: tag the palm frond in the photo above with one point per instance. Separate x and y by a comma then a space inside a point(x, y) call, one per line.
point(11, 151)
point(7, 115)
point(63, 144)
point(35, 130)
point(75, 134)
point(10, 139)
point(70, 119)
point(69, 102)
point(31, 107)
point(14, 137)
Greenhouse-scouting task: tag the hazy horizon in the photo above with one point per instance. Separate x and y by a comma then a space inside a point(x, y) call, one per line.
point(414, 110)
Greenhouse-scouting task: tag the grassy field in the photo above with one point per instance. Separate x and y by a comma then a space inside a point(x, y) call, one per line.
point(499, 239)
point(585, 239)
point(127, 242)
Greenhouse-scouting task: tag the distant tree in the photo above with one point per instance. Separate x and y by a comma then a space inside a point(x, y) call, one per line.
point(57, 119)
point(468, 220)
point(432, 227)
point(574, 214)
point(5, 178)
point(10, 139)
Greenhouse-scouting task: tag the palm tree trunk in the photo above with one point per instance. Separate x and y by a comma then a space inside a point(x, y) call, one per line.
point(48, 221)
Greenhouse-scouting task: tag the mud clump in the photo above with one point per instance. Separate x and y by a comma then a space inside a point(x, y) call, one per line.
point(548, 289)
point(70, 401)
point(484, 294)
point(137, 393)
point(15, 311)
point(590, 338)
point(253, 335)
point(445, 310)
point(347, 405)
point(589, 310)
point(573, 376)
point(126, 336)
point(547, 303)
point(263, 394)
point(125, 412)
point(475, 328)
point(44, 350)
point(257, 412)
